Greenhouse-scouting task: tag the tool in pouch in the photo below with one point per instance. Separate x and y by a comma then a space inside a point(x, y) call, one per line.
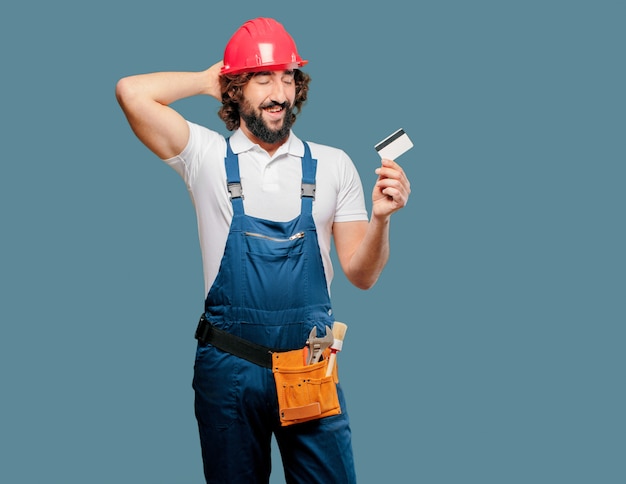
point(305, 391)
point(316, 346)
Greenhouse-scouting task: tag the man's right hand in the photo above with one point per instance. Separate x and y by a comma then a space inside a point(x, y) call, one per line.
point(213, 81)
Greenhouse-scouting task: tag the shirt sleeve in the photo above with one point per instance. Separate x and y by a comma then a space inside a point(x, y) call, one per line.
point(187, 163)
point(350, 200)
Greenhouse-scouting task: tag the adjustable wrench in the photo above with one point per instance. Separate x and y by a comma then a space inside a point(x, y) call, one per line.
point(318, 345)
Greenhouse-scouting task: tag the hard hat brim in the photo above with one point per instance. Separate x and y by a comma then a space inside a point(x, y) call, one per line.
point(260, 68)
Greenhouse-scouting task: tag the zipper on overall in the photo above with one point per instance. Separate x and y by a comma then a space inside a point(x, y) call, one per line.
point(296, 236)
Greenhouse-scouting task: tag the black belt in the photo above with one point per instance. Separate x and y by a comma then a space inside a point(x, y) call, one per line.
point(258, 354)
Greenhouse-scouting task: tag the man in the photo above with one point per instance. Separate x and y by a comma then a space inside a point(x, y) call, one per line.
point(267, 206)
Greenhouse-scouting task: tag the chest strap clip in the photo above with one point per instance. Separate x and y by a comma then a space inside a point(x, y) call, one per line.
point(308, 190)
point(235, 190)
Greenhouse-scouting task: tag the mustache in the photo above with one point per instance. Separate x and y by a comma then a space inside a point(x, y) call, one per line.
point(272, 104)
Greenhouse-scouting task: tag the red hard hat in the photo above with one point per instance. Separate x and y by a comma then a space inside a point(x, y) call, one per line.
point(258, 45)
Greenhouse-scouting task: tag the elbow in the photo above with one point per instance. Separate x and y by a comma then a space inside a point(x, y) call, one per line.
point(364, 283)
point(365, 287)
point(366, 277)
point(124, 91)
point(120, 89)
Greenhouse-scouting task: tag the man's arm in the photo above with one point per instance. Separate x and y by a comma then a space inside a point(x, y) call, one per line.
point(363, 247)
point(145, 100)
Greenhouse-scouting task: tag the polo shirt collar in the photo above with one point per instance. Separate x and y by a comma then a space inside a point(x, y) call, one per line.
point(240, 143)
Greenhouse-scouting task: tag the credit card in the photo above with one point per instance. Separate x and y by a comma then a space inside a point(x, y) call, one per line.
point(394, 145)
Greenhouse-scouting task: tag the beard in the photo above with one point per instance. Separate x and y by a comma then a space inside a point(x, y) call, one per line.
point(260, 129)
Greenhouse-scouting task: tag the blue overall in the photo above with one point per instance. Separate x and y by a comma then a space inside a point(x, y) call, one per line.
point(271, 289)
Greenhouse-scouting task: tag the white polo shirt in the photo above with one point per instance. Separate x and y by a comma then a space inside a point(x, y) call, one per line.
point(271, 188)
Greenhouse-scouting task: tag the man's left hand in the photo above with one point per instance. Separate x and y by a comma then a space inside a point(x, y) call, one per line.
point(391, 191)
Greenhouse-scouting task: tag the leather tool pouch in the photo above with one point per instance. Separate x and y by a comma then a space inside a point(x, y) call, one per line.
point(304, 391)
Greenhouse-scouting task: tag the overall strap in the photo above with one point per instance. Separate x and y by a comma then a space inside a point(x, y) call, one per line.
point(233, 179)
point(309, 168)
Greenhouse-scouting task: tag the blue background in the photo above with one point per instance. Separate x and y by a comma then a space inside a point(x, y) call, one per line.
point(492, 348)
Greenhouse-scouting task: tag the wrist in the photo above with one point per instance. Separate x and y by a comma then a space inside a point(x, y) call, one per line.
point(212, 81)
point(380, 221)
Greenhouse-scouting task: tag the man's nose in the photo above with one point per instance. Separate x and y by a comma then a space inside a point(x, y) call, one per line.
point(278, 93)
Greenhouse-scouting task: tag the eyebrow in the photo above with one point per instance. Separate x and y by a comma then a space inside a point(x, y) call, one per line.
point(288, 72)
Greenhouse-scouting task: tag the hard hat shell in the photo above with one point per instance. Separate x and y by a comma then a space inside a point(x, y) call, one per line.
point(258, 45)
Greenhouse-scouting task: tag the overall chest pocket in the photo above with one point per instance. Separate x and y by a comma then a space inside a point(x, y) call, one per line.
point(275, 271)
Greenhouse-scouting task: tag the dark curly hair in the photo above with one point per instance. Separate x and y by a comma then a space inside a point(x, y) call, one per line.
point(232, 95)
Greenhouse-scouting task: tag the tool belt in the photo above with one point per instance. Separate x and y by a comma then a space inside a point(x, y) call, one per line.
point(260, 355)
point(304, 391)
